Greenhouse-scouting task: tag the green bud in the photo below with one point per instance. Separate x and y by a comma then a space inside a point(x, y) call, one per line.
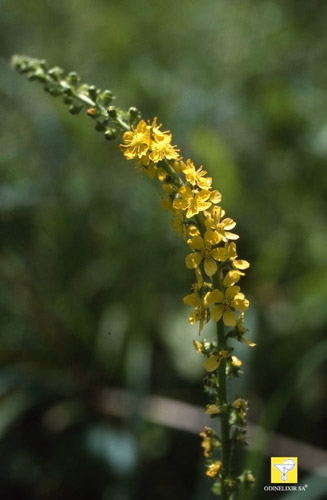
point(75, 108)
point(112, 112)
point(55, 73)
point(72, 78)
point(101, 124)
point(92, 90)
point(110, 134)
point(66, 89)
point(133, 114)
point(107, 97)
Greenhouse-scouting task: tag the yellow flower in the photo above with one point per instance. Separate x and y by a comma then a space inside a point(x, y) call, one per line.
point(198, 346)
point(195, 177)
point(214, 469)
point(241, 330)
point(193, 202)
point(196, 287)
point(204, 251)
point(200, 313)
point(223, 227)
point(160, 145)
point(236, 363)
point(213, 410)
point(241, 406)
point(212, 363)
point(228, 252)
point(225, 304)
point(136, 141)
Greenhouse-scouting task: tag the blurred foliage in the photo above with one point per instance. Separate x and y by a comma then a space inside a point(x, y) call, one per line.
point(93, 274)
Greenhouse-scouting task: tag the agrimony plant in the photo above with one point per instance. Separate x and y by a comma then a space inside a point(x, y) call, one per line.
point(199, 218)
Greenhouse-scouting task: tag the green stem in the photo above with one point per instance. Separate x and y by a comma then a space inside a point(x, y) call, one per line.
point(224, 420)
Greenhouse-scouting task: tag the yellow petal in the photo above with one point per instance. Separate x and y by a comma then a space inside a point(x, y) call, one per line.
point(229, 318)
point(211, 237)
point(241, 264)
point(231, 236)
point(196, 243)
point(198, 346)
point(216, 296)
point(219, 254)
point(232, 277)
point(180, 204)
point(215, 196)
point(210, 266)
point(240, 302)
point(228, 223)
point(236, 363)
point(213, 410)
point(249, 342)
point(193, 260)
point(217, 312)
point(232, 291)
point(192, 299)
point(211, 364)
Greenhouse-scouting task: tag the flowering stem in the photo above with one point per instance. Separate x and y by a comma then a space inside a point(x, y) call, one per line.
point(198, 216)
point(224, 423)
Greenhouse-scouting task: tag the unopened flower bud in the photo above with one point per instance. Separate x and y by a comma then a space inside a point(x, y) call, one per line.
point(110, 134)
point(107, 97)
point(55, 73)
point(73, 78)
point(112, 112)
point(75, 108)
point(92, 90)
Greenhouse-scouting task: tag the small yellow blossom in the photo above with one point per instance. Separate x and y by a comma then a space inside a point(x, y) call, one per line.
point(224, 304)
point(200, 313)
point(242, 331)
point(196, 287)
point(213, 361)
point(193, 202)
point(136, 141)
point(207, 441)
point(214, 469)
point(204, 251)
point(241, 406)
point(198, 346)
point(196, 177)
point(222, 227)
point(228, 252)
point(236, 363)
point(160, 145)
point(213, 410)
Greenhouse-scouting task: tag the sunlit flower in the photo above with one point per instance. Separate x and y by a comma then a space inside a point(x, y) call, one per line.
point(198, 346)
point(215, 221)
point(193, 202)
point(213, 410)
point(224, 304)
point(160, 146)
point(200, 312)
point(136, 141)
point(241, 331)
point(203, 252)
point(235, 362)
point(196, 177)
point(214, 469)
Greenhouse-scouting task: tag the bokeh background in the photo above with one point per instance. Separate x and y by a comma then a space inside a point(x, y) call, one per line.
point(93, 328)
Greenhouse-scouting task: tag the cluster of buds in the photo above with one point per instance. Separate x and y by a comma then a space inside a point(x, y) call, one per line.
point(199, 218)
point(110, 120)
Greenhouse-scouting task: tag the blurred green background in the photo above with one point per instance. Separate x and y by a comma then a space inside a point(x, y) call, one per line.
point(92, 274)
